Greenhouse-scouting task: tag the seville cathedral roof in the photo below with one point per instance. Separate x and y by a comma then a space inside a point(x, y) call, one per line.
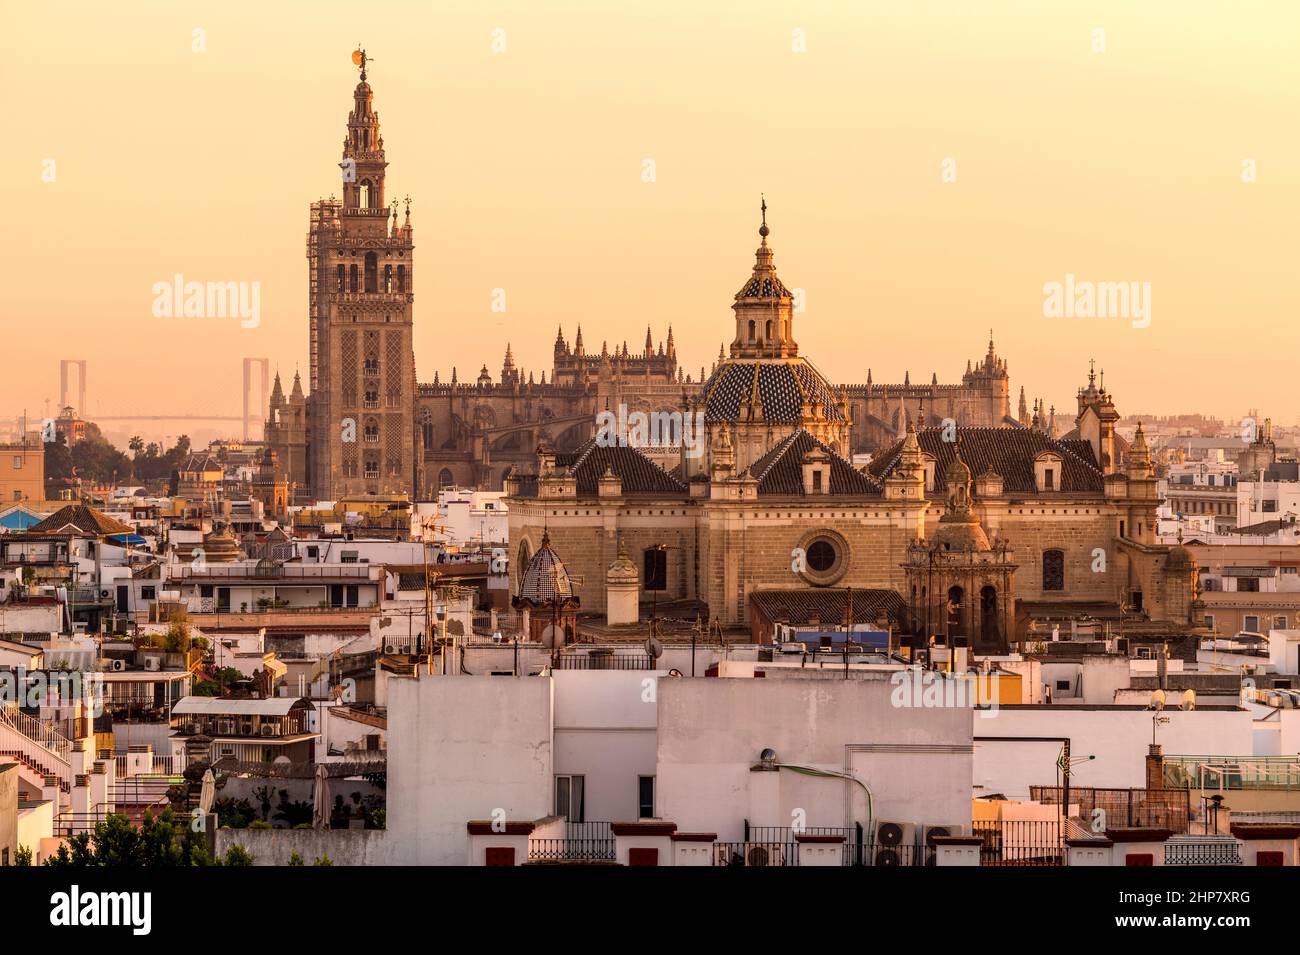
point(1009, 452)
point(780, 471)
point(637, 472)
point(1081, 446)
point(782, 387)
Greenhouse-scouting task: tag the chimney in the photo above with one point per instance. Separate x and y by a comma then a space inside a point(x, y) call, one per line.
point(1155, 767)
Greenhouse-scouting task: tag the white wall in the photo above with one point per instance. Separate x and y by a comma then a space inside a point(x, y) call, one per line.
point(460, 747)
point(916, 761)
point(1117, 737)
point(605, 731)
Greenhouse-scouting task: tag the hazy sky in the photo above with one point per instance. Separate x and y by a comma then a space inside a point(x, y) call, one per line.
point(526, 172)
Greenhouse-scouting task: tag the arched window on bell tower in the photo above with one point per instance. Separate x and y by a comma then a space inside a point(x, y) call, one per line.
point(372, 272)
point(363, 194)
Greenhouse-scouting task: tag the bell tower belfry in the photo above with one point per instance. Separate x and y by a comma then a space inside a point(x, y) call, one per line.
point(764, 309)
point(362, 279)
point(363, 162)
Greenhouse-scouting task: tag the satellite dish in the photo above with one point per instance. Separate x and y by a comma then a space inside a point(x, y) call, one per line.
point(654, 648)
point(552, 637)
point(1189, 699)
point(1158, 700)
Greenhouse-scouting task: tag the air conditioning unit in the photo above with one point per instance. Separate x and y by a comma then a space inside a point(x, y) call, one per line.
point(765, 855)
point(117, 666)
point(226, 727)
point(268, 729)
point(105, 594)
point(153, 664)
point(390, 648)
point(928, 836)
point(895, 844)
point(246, 729)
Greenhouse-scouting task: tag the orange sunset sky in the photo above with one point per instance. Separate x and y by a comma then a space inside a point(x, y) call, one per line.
point(525, 172)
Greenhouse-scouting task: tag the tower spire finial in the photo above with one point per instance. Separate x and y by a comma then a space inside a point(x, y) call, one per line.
point(360, 59)
point(763, 230)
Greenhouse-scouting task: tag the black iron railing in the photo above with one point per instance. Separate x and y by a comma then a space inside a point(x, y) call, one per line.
point(604, 661)
point(570, 850)
point(1223, 851)
point(1021, 842)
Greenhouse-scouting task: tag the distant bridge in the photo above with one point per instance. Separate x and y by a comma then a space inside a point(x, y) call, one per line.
point(166, 417)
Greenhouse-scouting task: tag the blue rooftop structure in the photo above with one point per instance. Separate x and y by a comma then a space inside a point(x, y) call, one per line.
point(18, 519)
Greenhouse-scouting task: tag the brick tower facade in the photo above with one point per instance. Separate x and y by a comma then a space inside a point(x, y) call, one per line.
point(362, 423)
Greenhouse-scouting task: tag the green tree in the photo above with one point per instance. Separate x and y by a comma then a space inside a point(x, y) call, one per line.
point(58, 460)
point(163, 840)
point(238, 855)
point(177, 638)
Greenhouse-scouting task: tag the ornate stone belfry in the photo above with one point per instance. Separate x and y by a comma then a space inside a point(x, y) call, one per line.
point(764, 309)
point(960, 585)
point(763, 391)
point(362, 435)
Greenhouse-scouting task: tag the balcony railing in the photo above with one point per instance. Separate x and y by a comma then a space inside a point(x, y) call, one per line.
point(604, 661)
point(1209, 850)
point(582, 842)
point(569, 850)
point(281, 572)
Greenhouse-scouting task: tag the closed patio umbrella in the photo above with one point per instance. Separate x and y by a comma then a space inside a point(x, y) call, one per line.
point(320, 799)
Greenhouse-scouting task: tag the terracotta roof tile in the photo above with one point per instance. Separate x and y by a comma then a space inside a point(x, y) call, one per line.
point(1008, 451)
point(638, 473)
point(80, 519)
point(780, 471)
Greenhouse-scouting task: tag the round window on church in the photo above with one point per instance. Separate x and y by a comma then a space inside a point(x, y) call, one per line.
point(821, 556)
point(825, 557)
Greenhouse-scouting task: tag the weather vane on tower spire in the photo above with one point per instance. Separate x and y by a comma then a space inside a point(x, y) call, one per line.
point(360, 59)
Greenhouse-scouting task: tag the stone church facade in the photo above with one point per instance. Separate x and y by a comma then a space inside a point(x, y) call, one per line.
point(982, 529)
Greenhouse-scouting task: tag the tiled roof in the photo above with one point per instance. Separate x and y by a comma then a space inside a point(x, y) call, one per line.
point(1264, 527)
point(780, 471)
point(829, 605)
point(1081, 448)
point(1121, 443)
point(80, 519)
point(1008, 451)
point(638, 473)
point(764, 285)
point(782, 386)
point(545, 578)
